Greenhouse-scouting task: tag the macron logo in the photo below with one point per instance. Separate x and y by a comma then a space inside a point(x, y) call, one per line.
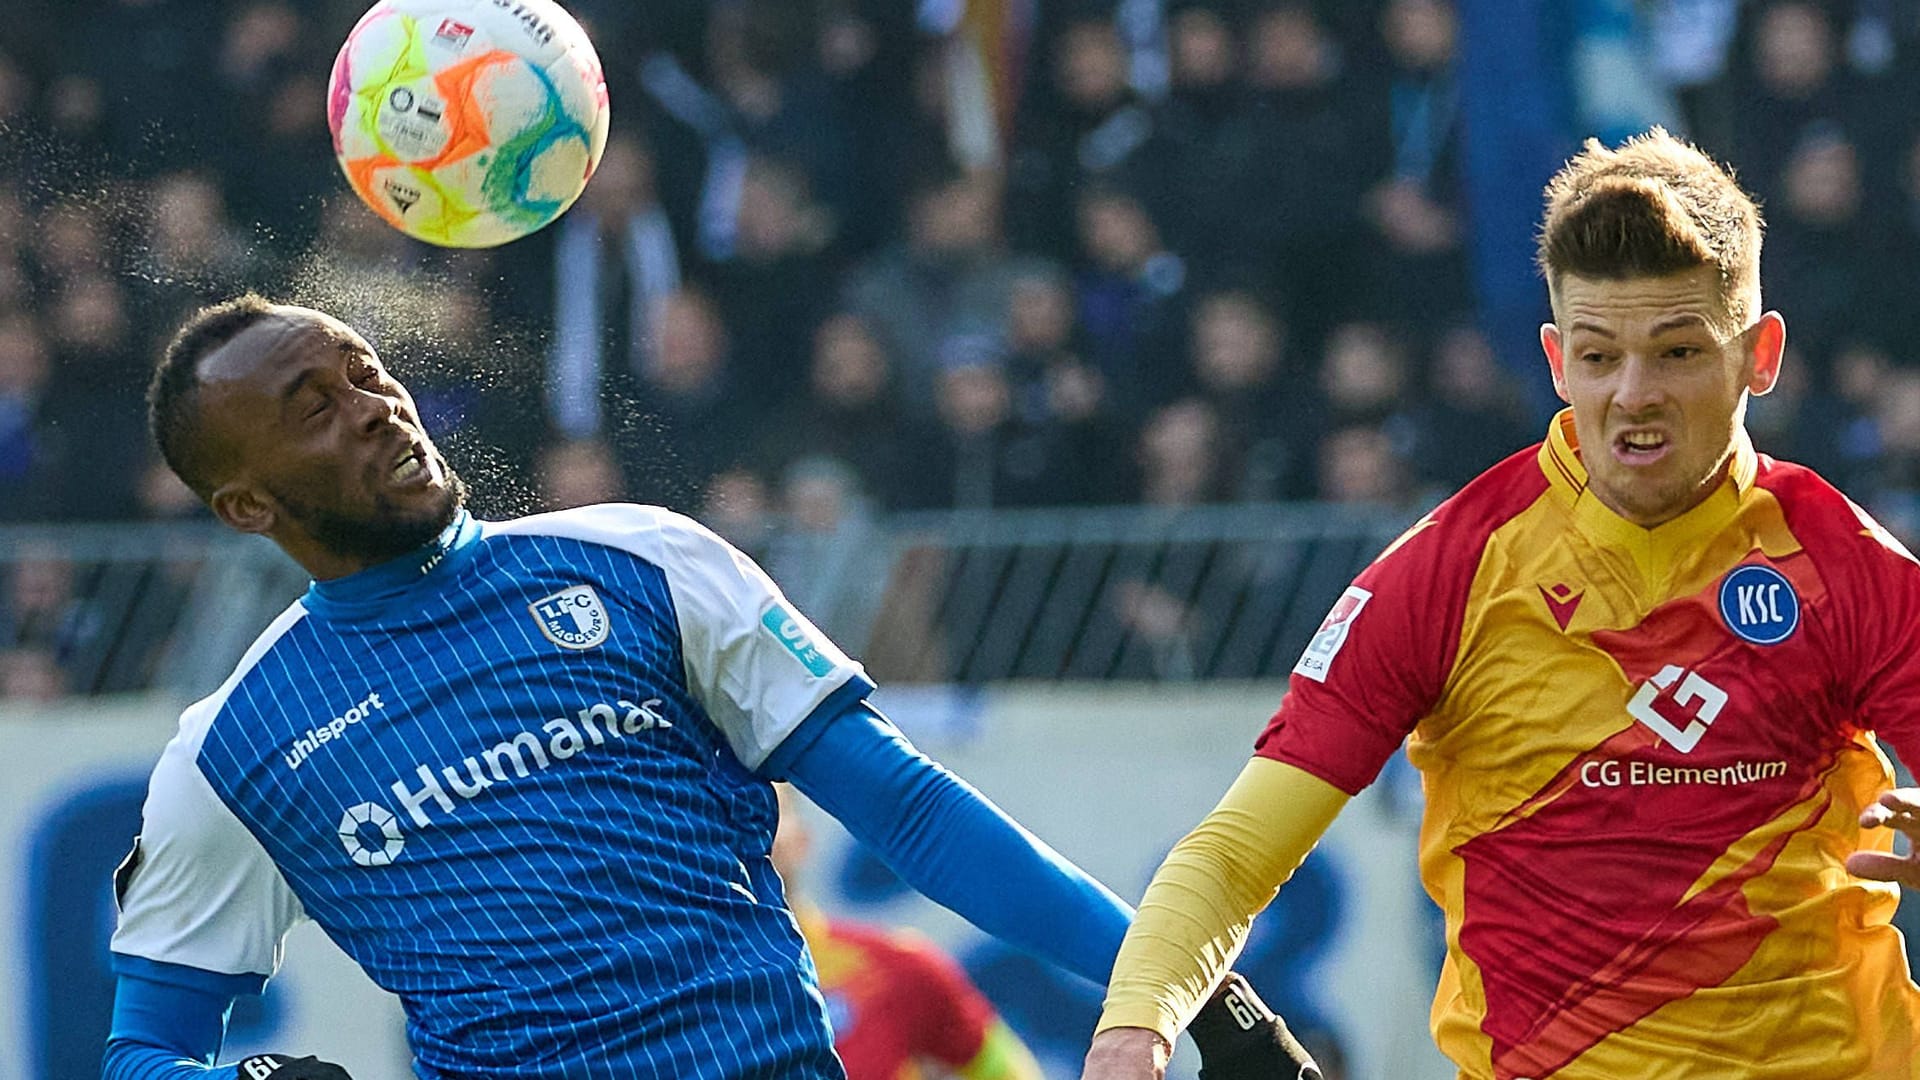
point(307, 745)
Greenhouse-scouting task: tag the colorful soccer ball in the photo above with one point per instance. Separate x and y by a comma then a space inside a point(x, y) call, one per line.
point(467, 123)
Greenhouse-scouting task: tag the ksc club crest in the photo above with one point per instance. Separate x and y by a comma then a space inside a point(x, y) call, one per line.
point(573, 618)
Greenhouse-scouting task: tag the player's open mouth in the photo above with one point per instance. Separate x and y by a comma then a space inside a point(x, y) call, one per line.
point(414, 466)
point(1639, 447)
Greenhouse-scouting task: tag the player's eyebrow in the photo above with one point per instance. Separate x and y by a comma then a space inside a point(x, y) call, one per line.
point(1589, 326)
point(1685, 320)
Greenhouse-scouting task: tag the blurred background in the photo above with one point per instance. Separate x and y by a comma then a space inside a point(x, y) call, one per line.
point(1064, 359)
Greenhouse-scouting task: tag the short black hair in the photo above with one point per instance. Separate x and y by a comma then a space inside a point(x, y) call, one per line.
point(173, 414)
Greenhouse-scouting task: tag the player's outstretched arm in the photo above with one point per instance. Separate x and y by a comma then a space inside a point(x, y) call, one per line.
point(1898, 809)
point(951, 843)
point(172, 1030)
point(1196, 914)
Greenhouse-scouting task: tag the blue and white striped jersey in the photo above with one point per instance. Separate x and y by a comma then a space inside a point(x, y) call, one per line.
point(513, 777)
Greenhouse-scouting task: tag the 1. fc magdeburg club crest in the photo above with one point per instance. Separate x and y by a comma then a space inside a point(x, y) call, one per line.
point(573, 618)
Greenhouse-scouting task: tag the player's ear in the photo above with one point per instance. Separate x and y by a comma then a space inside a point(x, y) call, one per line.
point(242, 508)
point(1768, 339)
point(1556, 359)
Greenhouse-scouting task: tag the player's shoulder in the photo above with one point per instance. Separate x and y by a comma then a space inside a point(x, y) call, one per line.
point(652, 532)
point(178, 766)
point(196, 718)
point(1823, 519)
point(1455, 532)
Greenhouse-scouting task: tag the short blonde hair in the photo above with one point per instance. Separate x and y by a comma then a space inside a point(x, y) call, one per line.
point(1654, 206)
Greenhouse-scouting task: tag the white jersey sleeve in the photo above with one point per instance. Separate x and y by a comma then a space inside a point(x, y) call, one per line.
point(756, 665)
point(200, 890)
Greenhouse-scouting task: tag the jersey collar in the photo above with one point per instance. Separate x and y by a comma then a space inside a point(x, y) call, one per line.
point(1656, 547)
point(372, 589)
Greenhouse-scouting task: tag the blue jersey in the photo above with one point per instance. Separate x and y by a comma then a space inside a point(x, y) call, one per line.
point(514, 777)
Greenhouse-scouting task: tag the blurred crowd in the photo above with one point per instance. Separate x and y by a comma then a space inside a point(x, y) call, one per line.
point(852, 256)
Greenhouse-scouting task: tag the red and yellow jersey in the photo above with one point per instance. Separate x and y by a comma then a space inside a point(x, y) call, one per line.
point(1645, 752)
point(894, 1000)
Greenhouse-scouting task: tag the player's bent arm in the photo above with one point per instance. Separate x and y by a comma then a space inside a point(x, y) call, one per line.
point(169, 1021)
point(1196, 913)
point(950, 842)
point(1002, 1056)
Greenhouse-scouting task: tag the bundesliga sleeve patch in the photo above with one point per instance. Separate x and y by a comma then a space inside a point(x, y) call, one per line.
point(792, 635)
point(1332, 635)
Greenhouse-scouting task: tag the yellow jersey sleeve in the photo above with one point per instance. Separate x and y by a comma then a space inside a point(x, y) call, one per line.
point(1197, 911)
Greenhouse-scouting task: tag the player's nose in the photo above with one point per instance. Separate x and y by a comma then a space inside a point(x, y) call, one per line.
point(375, 410)
point(1637, 385)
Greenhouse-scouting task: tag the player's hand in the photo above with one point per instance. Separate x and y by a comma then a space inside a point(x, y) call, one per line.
point(1240, 1038)
point(282, 1067)
point(1127, 1053)
point(1897, 809)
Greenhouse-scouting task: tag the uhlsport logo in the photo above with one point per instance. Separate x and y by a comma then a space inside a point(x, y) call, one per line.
point(371, 832)
point(305, 746)
point(1759, 605)
point(573, 618)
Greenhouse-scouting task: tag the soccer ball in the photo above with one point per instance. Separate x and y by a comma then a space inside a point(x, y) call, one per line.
point(467, 123)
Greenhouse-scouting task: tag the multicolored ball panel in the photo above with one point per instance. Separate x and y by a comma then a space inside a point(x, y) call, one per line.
point(467, 124)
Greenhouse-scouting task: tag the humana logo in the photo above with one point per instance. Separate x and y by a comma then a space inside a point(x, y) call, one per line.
point(557, 740)
point(566, 736)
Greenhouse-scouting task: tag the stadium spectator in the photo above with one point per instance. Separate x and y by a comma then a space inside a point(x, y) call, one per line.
point(1268, 417)
point(948, 277)
point(1817, 229)
point(1203, 145)
point(1179, 456)
point(1132, 295)
point(638, 873)
point(779, 282)
point(897, 1002)
point(848, 412)
point(1417, 263)
point(190, 245)
point(1362, 463)
point(579, 472)
point(34, 462)
point(1795, 79)
point(1471, 414)
point(688, 407)
point(615, 262)
point(1297, 209)
point(1090, 129)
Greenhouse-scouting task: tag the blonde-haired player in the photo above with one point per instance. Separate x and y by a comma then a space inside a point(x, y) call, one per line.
point(1641, 667)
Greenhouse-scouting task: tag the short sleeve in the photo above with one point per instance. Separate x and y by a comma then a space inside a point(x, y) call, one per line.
point(756, 664)
point(199, 890)
point(1379, 660)
point(1883, 637)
